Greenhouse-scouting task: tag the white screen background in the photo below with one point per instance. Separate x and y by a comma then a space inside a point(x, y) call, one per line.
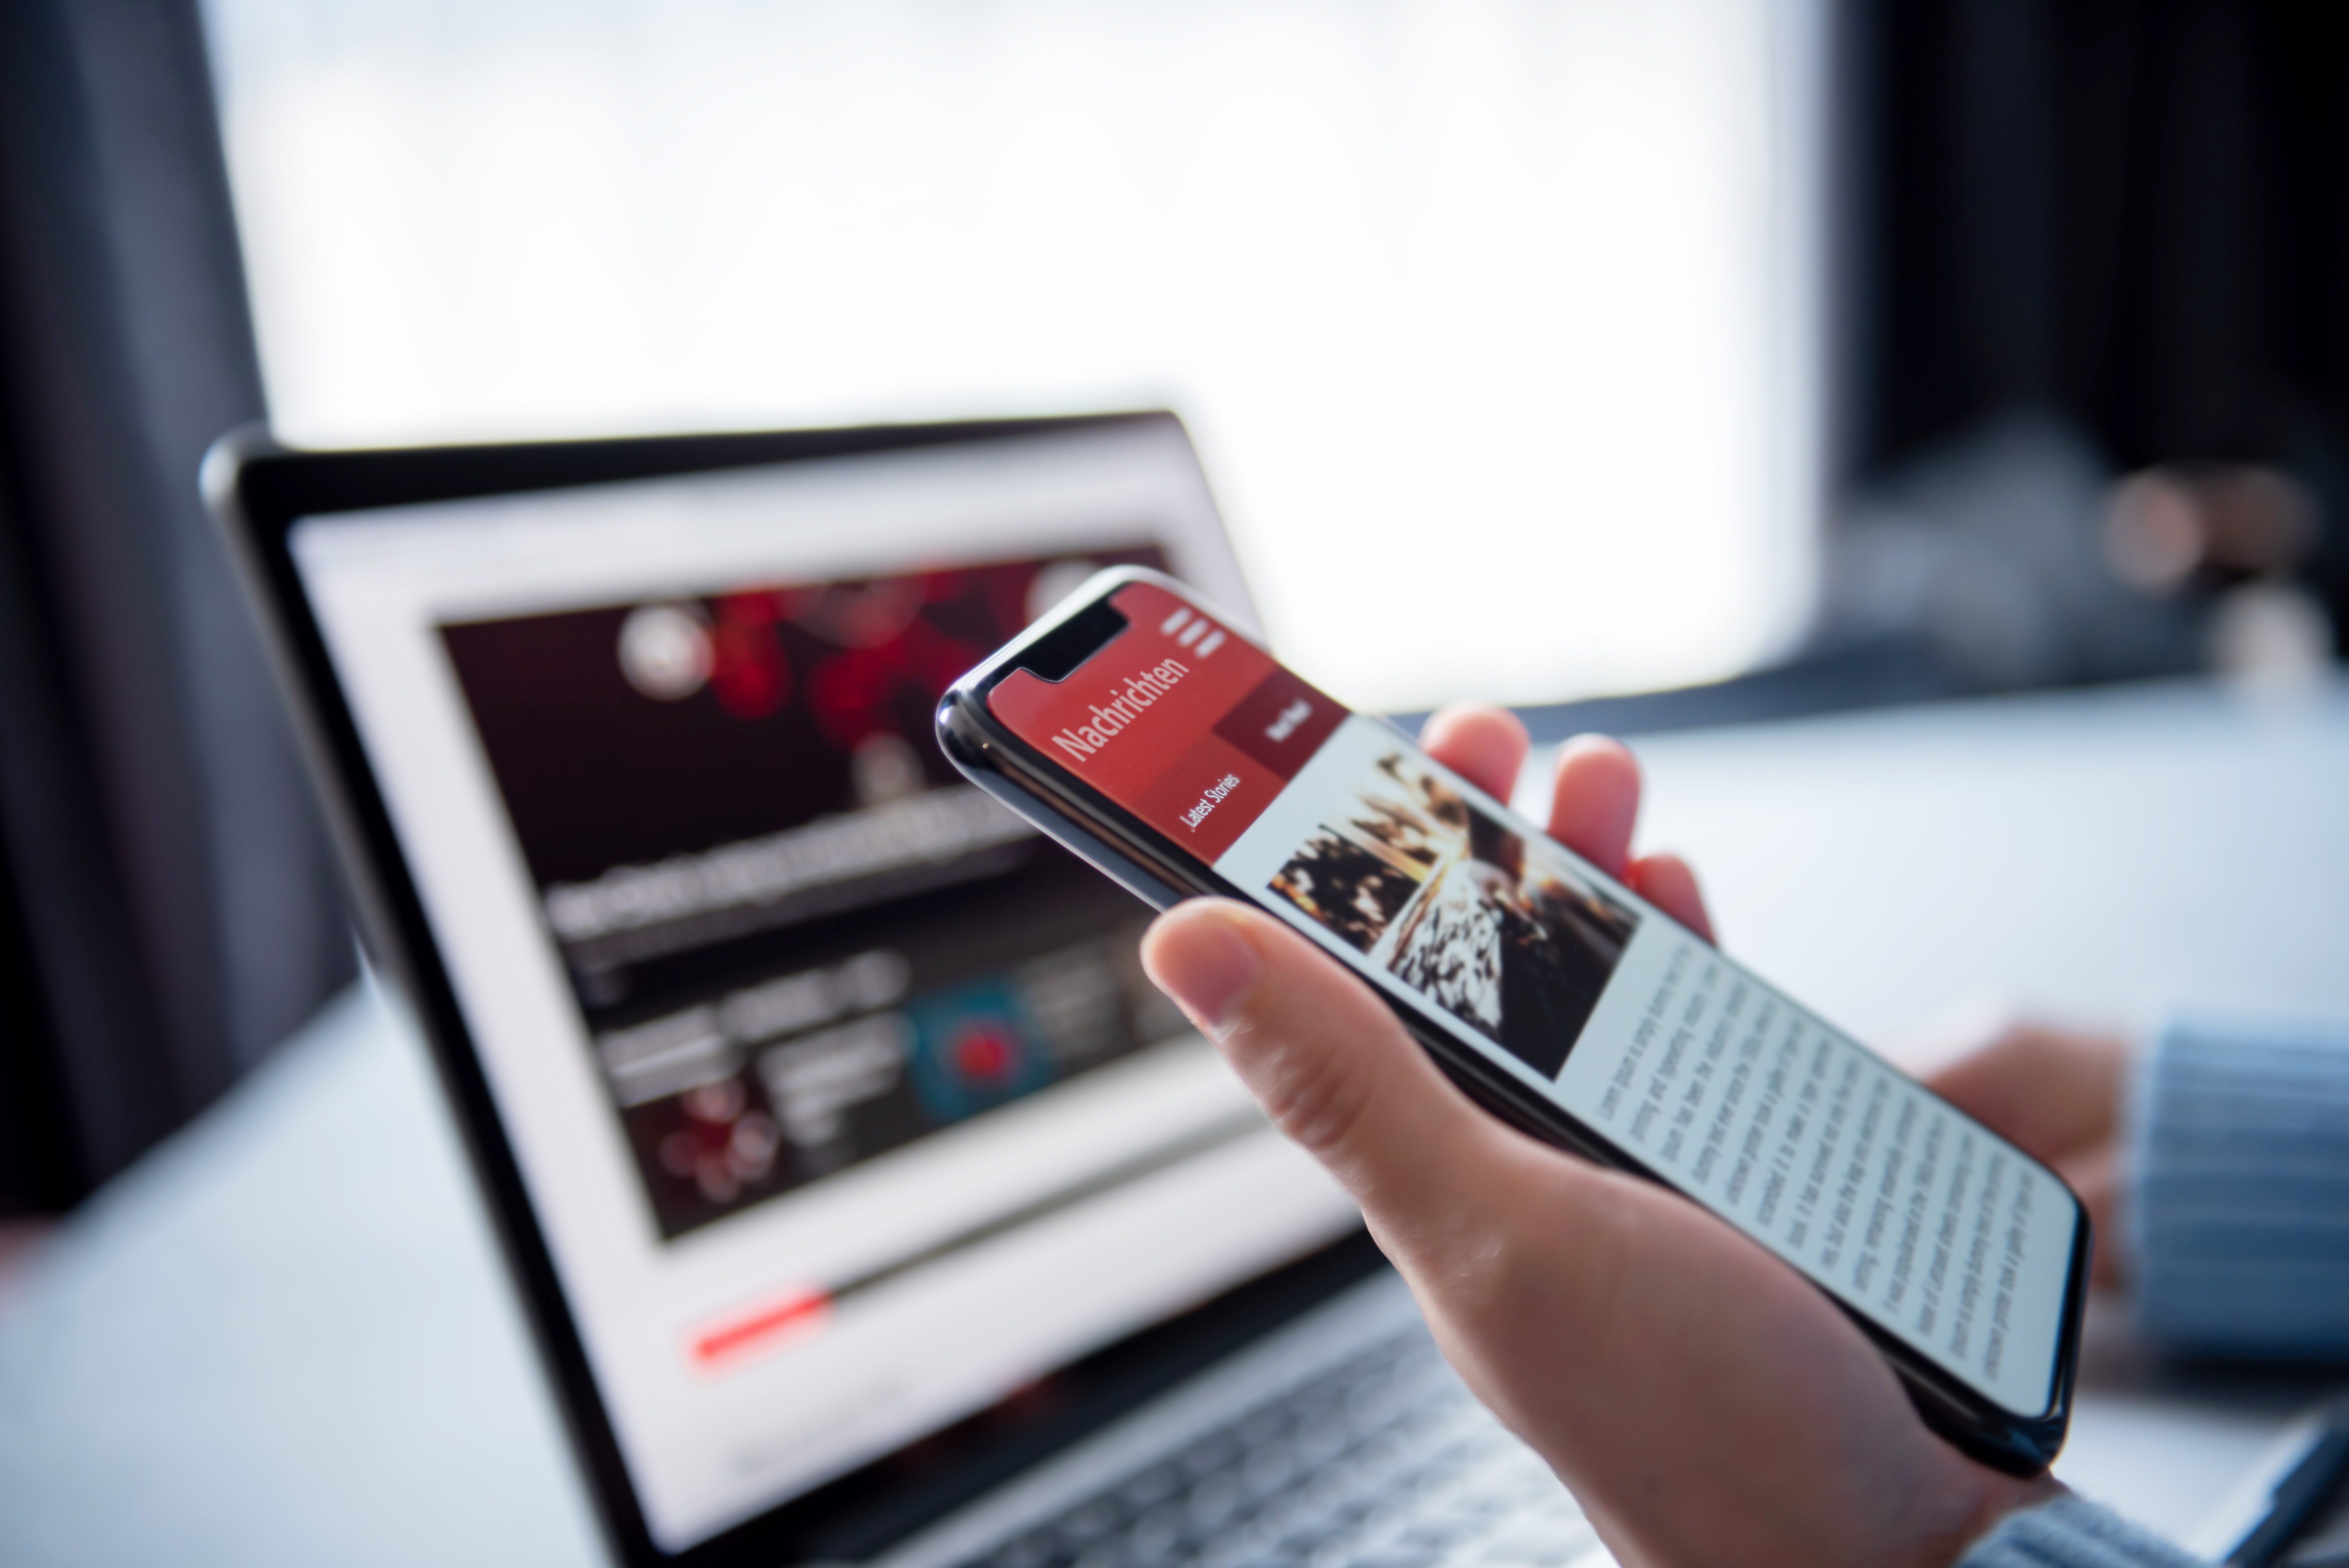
point(1803, 1069)
point(706, 1452)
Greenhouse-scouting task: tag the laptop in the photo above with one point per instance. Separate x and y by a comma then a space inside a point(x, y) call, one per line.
point(866, 1202)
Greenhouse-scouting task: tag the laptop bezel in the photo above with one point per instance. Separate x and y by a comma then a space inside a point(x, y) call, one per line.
point(258, 491)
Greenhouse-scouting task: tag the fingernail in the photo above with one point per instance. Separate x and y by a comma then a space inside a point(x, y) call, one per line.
point(1206, 966)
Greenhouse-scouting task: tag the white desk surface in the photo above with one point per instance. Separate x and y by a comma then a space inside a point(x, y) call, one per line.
point(283, 1338)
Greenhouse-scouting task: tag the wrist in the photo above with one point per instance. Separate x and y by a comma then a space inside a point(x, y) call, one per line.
point(1999, 1499)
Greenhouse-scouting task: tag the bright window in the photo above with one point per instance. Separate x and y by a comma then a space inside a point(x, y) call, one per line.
point(1494, 318)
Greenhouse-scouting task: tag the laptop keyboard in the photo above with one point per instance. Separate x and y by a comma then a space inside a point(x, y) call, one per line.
point(1383, 1461)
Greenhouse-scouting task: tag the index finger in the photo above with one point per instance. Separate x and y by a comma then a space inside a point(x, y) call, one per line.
point(1483, 744)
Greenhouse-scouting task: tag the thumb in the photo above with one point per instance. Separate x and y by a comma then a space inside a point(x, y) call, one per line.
point(1332, 1066)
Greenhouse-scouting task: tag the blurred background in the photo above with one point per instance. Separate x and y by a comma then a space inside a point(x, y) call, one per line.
point(1646, 363)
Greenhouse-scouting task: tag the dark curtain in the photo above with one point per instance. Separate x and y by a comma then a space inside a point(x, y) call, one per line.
point(2134, 215)
point(168, 908)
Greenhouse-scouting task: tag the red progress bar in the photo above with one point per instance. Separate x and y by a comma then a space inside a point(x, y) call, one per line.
point(801, 1311)
point(795, 1313)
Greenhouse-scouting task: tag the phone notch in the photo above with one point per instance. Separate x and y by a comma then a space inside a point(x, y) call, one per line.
point(1063, 651)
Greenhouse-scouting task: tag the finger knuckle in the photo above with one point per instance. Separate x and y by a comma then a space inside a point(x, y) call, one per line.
point(1309, 1095)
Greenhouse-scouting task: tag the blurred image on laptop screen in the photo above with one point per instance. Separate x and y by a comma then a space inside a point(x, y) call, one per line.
point(799, 940)
point(837, 1093)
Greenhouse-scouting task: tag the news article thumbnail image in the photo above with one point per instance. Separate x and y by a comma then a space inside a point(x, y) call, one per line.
point(1500, 930)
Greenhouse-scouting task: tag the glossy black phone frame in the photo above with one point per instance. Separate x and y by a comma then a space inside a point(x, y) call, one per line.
point(1153, 867)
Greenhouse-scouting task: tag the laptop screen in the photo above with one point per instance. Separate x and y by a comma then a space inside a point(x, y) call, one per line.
point(838, 1093)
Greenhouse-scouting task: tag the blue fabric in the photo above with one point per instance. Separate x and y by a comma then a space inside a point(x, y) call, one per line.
point(2072, 1532)
point(2238, 1235)
point(2237, 1208)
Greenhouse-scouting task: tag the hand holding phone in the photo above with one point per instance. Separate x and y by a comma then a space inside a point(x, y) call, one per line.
point(1704, 1403)
point(1708, 1401)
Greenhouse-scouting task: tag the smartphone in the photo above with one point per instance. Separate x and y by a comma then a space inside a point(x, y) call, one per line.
point(1142, 729)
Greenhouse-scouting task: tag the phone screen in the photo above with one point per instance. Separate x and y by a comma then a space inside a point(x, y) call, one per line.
point(1912, 1214)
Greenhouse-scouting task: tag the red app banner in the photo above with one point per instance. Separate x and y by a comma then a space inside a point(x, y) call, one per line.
point(1187, 724)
